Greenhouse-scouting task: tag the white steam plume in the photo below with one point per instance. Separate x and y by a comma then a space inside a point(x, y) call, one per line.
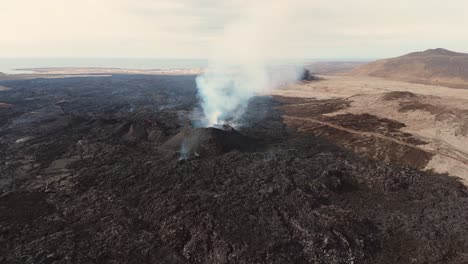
point(241, 58)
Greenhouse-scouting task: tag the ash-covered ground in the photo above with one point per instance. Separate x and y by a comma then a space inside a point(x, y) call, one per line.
point(86, 176)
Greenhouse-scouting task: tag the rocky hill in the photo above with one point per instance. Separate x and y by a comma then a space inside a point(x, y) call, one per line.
point(434, 66)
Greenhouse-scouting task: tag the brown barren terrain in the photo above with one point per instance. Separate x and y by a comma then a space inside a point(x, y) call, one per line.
point(333, 67)
point(424, 126)
point(434, 66)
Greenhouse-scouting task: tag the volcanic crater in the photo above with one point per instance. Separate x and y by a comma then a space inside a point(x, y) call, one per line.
point(193, 142)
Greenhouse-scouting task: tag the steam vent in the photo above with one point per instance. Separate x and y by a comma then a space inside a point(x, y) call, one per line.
point(193, 142)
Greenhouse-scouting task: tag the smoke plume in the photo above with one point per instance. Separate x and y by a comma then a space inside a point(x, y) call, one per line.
point(241, 63)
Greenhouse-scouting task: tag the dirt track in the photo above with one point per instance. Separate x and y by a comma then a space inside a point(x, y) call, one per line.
point(459, 157)
point(434, 114)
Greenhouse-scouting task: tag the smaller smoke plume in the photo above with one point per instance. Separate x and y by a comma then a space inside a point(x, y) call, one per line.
point(242, 63)
point(184, 150)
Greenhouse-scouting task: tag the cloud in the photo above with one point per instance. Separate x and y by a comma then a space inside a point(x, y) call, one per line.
point(185, 28)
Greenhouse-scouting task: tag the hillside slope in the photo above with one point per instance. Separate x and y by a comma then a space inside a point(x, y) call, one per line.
point(434, 66)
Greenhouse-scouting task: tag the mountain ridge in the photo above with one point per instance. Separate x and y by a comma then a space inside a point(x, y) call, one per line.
point(436, 52)
point(433, 66)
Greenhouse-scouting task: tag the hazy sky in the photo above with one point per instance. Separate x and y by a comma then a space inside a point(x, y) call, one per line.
point(187, 28)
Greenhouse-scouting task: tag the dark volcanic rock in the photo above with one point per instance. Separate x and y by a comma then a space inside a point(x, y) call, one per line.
point(308, 76)
point(82, 193)
point(195, 142)
point(399, 95)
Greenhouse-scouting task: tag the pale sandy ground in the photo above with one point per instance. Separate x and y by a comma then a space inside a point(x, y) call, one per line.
point(91, 72)
point(112, 71)
point(445, 128)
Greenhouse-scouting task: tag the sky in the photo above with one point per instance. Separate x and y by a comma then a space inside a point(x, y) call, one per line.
point(188, 28)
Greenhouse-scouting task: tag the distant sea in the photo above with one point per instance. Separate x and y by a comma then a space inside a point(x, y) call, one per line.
point(10, 65)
